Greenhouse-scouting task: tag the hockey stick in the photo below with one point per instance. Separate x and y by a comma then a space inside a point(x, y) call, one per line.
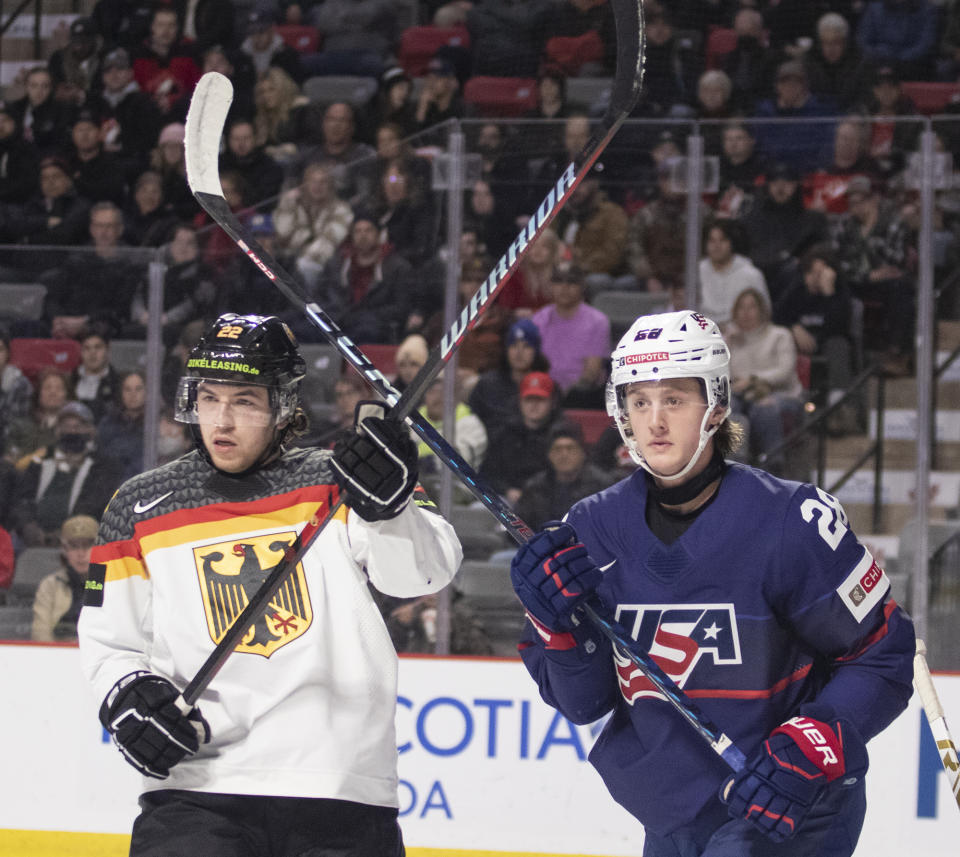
point(935, 717)
point(628, 15)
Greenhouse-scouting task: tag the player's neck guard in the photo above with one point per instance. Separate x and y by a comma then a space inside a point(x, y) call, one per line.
point(677, 495)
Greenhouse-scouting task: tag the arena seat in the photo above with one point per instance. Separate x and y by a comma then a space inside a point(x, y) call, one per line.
point(384, 357)
point(930, 97)
point(32, 355)
point(301, 37)
point(355, 90)
point(485, 588)
point(33, 565)
point(22, 301)
point(500, 96)
point(720, 42)
point(622, 307)
point(593, 422)
point(418, 45)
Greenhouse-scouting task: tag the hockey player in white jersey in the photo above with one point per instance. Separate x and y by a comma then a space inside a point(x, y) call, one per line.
point(291, 750)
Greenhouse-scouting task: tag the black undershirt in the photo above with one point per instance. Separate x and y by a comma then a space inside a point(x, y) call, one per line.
point(668, 525)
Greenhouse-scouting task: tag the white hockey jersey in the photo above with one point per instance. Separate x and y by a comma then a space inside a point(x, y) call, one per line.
point(305, 705)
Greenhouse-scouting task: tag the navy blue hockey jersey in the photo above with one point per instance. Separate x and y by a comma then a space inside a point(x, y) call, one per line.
point(766, 602)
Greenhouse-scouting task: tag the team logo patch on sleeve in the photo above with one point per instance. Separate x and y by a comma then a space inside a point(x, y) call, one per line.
point(93, 588)
point(864, 588)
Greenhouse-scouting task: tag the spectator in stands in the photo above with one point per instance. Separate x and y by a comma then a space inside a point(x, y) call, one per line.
point(817, 309)
point(495, 397)
point(163, 64)
point(340, 148)
point(123, 23)
point(85, 290)
point(405, 214)
point(741, 171)
point(751, 64)
point(59, 596)
point(265, 46)
point(238, 69)
point(595, 229)
point(56, 215)
point(412, 354)
point(826, 187)
point(168, 159)
point(439, 98)
point(148, 217)
point(725, 273)
point(902, 33)
point(508, 35)
point(545, 138)
point(75, 68)
point(782, 141)
point(763, 375)
point(491, 216)
point(714, 92)
point(189, 291)
point(391, 147)
point(349, 390)
point(16, 390)
point(218, 247)
point(120, 430)
point(412, 623)
point(365, 286)
point(779, 229)
point(261, 174)
point(95, 382)
point(131, 119)
point(209, 22)
point(173, 438)
point(358, 36)
point(311, 221)
point(948, 63)
point(98, 175)
point(43, 121)
point(19, 161)
point(877, 259)
point(580, 38)
point(529, 287)
point(656, 243)
point(7, 559)
point(836, 71)
point(242, 287)
point(518, 446)
point(890, 140)
point(283, 118)
point(467, 434)
point(34, 432)
point(575, 339)
point(68, 479)
point(672, 67)
point(394, 103)
point(568, 477)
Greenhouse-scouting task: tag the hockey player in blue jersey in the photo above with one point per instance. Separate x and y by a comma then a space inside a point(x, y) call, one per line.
point(751, 592)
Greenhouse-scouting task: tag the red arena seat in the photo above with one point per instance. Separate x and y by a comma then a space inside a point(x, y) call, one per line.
point(500, 96)
point(418, 45)
point(32, 355)
point(591, 422)
point(384, 357)
point(930, 97)
point(720, 42)
point(300, 37)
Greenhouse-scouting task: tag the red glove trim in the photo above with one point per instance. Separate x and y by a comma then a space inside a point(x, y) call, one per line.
point(557, 641)
point(818, 742)
point(548, 570)
point(759, 810)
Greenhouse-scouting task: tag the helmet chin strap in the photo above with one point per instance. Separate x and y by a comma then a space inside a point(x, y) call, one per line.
point(705, 435)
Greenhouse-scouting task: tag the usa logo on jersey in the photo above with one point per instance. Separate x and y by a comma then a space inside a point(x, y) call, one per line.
point(677, 636)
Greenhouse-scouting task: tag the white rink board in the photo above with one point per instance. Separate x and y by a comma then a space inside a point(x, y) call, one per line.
point(485, 765)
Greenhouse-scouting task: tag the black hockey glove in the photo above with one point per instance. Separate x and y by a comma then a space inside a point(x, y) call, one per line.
point(148, 728)
point(552, 575)
point(376, 468)
point(792, 769)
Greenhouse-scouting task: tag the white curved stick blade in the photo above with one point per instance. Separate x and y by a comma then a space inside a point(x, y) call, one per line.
point(205, 119)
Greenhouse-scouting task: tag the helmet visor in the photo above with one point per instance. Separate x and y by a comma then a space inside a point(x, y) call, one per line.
point(212, 403)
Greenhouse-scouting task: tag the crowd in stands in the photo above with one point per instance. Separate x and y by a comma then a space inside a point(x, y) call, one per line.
point(811, 223)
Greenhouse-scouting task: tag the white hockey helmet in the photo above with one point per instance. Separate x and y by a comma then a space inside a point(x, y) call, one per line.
point(681, 344)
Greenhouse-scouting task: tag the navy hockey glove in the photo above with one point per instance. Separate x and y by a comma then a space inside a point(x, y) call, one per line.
point(552, 575)
point(148, 728)
point(376, 468)
point(791, 770)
